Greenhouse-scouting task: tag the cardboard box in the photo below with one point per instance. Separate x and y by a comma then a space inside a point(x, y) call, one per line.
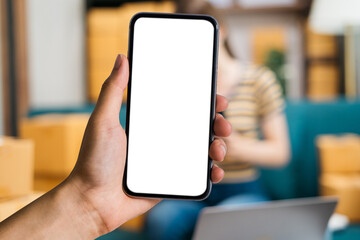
point(46, 183)
point(135, 224)
point(16, 166)
point(96, 80)
point(323, 81)
point(104, 48)
point(102, 21)
point(107, 36)
point(57, 141)
point(11, 205)
point(95, 84)
point(347, 188)
point(339, 154)
point(265, 39)
point(320, 45)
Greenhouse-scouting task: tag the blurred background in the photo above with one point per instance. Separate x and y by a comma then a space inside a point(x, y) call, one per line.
point(56, 54)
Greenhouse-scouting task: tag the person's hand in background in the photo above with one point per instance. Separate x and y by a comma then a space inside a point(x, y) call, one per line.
point(272, 151)
point(91, 201)
point(233, 144)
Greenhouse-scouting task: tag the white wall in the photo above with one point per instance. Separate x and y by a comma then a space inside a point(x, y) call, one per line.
point(56, 52)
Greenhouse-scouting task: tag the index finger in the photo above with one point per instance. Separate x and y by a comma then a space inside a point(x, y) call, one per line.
point(221, 103)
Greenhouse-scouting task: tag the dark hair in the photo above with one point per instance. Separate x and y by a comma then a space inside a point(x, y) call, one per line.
point(187, 6)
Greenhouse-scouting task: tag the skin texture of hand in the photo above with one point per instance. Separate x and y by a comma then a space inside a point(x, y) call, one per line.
point(91, 201)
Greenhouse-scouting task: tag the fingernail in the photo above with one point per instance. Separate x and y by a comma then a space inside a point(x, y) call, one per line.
point(117, 62)
point(224, 149)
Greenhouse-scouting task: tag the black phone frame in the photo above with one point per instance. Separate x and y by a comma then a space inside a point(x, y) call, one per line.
point(213, 99)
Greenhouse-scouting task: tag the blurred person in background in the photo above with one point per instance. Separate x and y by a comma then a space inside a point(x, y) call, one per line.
point(255, 108)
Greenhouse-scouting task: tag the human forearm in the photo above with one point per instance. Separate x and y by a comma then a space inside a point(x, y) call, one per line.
point(59, 214)
point(273, 151)
point(261, 153)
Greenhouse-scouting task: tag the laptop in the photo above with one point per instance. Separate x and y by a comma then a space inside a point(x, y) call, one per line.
point(296, 219)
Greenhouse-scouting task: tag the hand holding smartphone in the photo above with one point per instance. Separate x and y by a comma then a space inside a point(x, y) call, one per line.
point(170, 105)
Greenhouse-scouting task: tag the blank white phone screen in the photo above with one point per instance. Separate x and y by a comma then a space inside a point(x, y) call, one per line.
point(170, 106)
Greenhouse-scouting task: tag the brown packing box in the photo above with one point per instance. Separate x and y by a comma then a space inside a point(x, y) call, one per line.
point(103, 48)
point(95, 84)
point(265, 39)
point(320, 45)
point(323, 81)
point(103, 21)
point(96, 80)
point(16, 166)
point(107, 36)
point(46, 183)
point(135, 224)
point(57, 141)
point(9, 206)
point(347, 188)
point(339, 154)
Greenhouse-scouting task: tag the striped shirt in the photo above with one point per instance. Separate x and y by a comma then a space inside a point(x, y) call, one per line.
point(256, 95)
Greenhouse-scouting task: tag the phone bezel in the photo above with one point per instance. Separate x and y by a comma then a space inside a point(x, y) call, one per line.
point(213, 21)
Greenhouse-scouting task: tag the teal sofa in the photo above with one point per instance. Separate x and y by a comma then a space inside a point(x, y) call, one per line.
point(306, 121)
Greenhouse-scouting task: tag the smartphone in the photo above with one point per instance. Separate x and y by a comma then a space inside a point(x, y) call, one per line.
point(170, 105)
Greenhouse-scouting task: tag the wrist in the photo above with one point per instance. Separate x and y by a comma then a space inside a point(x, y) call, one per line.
point(81, 214)
point(61, 213)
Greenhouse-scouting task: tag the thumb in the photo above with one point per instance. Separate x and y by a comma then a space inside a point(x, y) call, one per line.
point(112, 91)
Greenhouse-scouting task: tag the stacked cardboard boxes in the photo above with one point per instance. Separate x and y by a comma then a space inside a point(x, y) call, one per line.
point(320, 45)
point(323, 81)
point(107, 36)
point(323, 75)
point(339, 154)
point(135, 224)
point(347, 188)
point(340, 172)
point(9, 206)
point(265, 39)
point(46, 183)
point(57, 141)
point(16, 167)
point(16, 175)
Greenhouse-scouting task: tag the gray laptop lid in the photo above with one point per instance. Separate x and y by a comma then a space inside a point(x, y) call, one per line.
point(297, 219)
